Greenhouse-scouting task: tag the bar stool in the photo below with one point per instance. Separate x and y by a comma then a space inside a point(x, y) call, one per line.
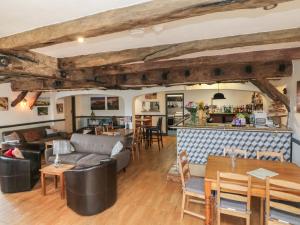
point(156, 133)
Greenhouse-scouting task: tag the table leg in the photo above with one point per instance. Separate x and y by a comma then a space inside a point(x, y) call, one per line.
point(262, 212)
point(55, 181)
point(208, 202)
point(62, 186)
point(43, 183)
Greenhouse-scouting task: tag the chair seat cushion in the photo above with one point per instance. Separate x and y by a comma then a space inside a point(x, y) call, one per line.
point(195, 184)
point(233, 205)
point(68, 158)
point(92, 160)
point(284, 216)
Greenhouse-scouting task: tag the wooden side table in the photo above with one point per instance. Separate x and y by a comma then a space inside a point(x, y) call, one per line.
point(56, 172)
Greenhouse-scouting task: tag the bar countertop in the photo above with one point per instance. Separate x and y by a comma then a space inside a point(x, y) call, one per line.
point(221, 126)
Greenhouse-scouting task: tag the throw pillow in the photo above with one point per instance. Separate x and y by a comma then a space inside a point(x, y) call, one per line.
point(32, 136)
point(117, 148)
point(17, 153)
point(13, 137)
point(50, 132)
point(9, 153)
point(62, 147)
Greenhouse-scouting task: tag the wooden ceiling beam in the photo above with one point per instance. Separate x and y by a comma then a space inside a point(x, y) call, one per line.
point(136, 16)
point(272, 92)
point(174, 50)
point(90, 78)
point(256, 56)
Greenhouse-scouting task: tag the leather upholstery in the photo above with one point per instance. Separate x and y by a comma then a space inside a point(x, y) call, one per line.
point(92, 190)
point(17, 175)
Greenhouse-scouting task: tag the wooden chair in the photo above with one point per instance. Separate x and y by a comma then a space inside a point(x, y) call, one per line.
point(235, 151)
point(262, 154)
point(138, 123)
point(136, 144)
point(282, 207)
point(192, 187)
point(98, 130)
point(233, 196)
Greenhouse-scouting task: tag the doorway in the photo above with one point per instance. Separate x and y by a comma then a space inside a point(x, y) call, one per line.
point(174, 111)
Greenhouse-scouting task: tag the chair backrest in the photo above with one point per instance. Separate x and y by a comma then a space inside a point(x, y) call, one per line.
point(138, 123)
point(184, 167)
point(236, 151)
point(159, 123)
point(285, 192)
point(265, 154)
point(98, 130)
point(148, 123)
point(235, 187)
point(138, 134)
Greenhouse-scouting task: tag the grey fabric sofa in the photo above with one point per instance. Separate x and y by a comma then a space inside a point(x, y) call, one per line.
point(90, 150)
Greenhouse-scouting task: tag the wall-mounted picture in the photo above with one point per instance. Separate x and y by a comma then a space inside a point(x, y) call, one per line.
point(97, 103)
point(3, 104)
point(59, 108)
point(113, 103)
point(151, 96)
point(150, 107)
point(298, 97)
point(42, 111)
point(43, 101)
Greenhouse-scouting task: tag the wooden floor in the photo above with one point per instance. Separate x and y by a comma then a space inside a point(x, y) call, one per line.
point(144, 198)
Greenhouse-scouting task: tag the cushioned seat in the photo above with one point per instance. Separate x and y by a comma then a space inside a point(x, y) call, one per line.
point(284, 216)
point(195, 184)
point(91, 160)
point(71, 158)
point(234, 205)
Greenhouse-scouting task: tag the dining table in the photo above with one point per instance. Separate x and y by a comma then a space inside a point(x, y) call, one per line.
point(285, 170)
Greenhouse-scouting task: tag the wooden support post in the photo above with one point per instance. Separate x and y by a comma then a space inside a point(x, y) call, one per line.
point(19, 98)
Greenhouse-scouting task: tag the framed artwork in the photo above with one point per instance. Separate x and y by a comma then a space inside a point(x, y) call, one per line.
point(42, 111)
point(97, 103)
point(150, 106)
point(298, 97)
point(113, 103)
point(59, 108)
point(3, 104)
point(43, 101)
point(151, 96)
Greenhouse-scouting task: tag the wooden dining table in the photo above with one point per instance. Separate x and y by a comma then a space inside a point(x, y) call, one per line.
point(286, 171)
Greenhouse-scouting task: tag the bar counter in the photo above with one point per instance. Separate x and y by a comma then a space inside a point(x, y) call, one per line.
point(202, 140)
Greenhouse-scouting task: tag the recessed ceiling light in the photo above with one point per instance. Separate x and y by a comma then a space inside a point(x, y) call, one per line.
point(80, 39)
point(269, 7)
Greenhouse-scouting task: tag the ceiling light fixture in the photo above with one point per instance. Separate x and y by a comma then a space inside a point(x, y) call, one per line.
point(80, 39)
point(269, 7)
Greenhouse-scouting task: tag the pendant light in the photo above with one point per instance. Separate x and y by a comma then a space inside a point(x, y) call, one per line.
point(218, 96)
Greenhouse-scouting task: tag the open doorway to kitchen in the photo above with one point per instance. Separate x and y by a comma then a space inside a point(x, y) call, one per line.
point(174, 111)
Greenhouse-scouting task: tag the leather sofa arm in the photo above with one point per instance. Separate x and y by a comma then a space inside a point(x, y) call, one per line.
point(123, 159)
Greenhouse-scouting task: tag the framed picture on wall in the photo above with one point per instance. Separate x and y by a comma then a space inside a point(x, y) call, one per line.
point(3, 104)
point(42, 111)
point(113, 103)
point(150, 106)
point(97, 103)
point(298, 97)
point(59, 108)
point(42, 101)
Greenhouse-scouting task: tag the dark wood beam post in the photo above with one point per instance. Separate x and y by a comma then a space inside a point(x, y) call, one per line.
point(272, 92)
point(19, 98)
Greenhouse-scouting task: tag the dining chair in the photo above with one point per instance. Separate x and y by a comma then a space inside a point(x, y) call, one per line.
point(282, 202)
point(192, 187)
point(98, 130)
point(233, 195)
point(269, 154)
point(235, 151)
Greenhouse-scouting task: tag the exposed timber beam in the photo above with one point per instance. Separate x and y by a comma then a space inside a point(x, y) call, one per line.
point(141, 15)
point(272, 92)
point(19, 98)
point(91, 78)
point(256, 56)
point(174, 50)
point(35, 98)
point(26, 63)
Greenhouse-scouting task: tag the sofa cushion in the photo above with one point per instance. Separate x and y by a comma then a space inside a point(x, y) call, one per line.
point(99, 144)
point(13, 137)
point(32, 135)
point(69, 158)
point(91, 160)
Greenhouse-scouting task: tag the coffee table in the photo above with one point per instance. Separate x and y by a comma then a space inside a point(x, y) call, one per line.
point(56, 172)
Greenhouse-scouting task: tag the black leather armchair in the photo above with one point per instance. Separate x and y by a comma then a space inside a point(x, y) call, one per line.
point(92, 190)
point(17, 175)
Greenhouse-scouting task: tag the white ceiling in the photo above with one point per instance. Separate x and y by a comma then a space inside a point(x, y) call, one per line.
point(17, 16)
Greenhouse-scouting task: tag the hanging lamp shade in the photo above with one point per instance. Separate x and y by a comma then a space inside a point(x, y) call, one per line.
point(219, 95)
